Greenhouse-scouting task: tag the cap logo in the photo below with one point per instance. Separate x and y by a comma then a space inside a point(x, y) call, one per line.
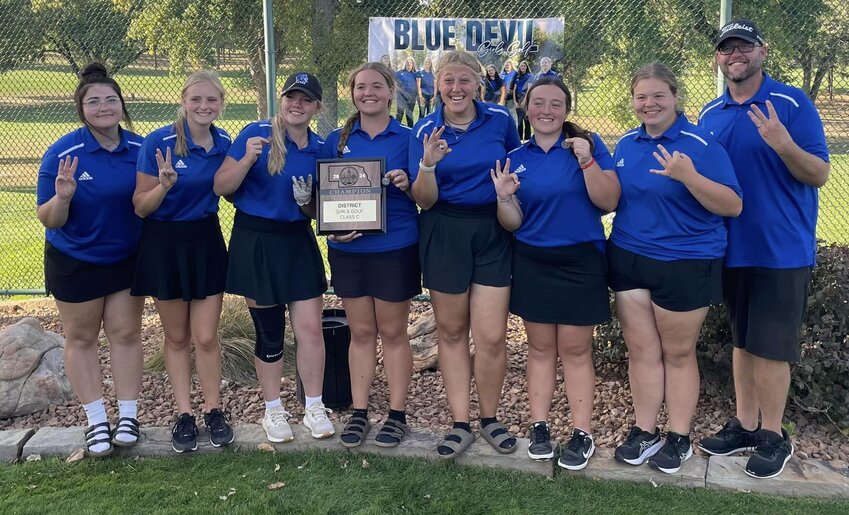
point(302, 78)
point(737, 26)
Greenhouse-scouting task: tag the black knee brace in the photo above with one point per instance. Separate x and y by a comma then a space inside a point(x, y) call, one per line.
point(269, 325)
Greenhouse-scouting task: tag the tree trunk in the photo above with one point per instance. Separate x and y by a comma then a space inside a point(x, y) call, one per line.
point(256, 66)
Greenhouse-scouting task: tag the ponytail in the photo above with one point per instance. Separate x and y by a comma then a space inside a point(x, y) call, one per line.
point(346, 131)
point(277, 153)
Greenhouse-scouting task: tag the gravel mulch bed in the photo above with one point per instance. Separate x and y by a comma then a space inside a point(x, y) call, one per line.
point(427, 406)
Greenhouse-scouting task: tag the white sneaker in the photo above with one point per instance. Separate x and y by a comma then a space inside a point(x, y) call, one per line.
point(315, 418)
point(276, 425)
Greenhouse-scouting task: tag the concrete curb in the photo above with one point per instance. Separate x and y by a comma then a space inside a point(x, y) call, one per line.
point(804, 478)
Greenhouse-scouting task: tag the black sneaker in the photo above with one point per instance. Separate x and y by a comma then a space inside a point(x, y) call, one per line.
point(540, 447)
point(675, 451)
point(576, 454)
point(772, 454)
point(638, 447)
point(184, 433)
point(731, 439)
point(220, 432)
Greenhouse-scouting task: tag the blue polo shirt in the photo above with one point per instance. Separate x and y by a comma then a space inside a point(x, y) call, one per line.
point(407, 81)
point(493, 89)
point(191, 197)
point(102, 226)
point(777, 228)
point(657, 216)
point(270, 196)
point(556, 208)
point(427, 82)
point(402, 228)
point(522, 82)
point(549, 73)
point(508, 78)
point(463, 175)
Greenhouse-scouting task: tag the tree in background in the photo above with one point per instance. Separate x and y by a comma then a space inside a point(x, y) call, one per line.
point(22, 46)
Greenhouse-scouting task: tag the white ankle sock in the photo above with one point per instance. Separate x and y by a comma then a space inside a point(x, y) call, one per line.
point(273, 404)
point(95, 412)
point(309, 401)
point(128, 409)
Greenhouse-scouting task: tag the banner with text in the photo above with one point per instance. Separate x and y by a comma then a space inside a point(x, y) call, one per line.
point(493, 41)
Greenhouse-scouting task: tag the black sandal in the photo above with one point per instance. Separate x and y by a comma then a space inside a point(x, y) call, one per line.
point(391, 433)
point(96, 434)
point(127, 426)
point(355, 431)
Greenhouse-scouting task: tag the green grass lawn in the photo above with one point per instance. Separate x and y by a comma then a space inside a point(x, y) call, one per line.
point(337, 482)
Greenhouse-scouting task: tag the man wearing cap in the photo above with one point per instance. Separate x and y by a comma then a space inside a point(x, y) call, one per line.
point(775, 138)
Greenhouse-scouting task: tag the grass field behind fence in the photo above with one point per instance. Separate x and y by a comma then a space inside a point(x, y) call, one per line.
point(36, 108)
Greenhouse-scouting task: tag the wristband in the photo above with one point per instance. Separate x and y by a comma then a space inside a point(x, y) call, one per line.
point(589, 164)
point(427, 169)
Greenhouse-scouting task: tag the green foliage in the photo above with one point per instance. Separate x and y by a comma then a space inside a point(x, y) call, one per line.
point(820, 381)
point(21, 46)
point(86, 30)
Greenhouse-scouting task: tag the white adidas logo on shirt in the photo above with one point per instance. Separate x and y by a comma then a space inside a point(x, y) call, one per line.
point(620, 163)
point(346, 150)
point(85, 177)
point(180, 164)
point(520, 169)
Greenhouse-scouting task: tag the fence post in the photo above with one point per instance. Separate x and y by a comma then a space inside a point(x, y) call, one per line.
point(724, 16)
point(270, 65)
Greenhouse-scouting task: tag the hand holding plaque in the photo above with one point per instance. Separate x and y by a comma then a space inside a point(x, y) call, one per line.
point(352, 196)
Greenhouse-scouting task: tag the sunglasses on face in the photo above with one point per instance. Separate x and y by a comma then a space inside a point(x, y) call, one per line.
point(744, 48)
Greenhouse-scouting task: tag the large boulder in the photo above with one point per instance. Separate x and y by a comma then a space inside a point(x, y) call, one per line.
point(32, 369)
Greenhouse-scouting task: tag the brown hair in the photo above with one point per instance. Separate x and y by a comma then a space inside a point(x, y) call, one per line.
point(277, 152)
point(180, 145)
point(95, 73)
point(660, 72)
point(570, 129)
point(388, 76)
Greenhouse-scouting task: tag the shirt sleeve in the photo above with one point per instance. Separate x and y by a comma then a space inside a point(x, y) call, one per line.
point(237, 149)
point(329, 149)
point(601, 154)
point(147, 156)
point(415, 152)
point(716, 166)
point(46, 185)
point(511, 139)
point(807, 130)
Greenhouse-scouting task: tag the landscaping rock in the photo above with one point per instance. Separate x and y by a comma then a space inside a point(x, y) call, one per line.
point(12, 443)
point(32, 369)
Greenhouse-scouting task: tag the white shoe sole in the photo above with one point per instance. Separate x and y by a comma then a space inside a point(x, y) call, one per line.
point(676, 469)
point(648, 453)
point(729, 453)
point(274, 439)
point(786, 460)
point(318, 436)
point(582, 466)
point(541, 457)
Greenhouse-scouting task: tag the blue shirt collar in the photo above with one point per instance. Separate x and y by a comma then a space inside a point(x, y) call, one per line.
point(760, 96)
point(92, 145)
point(671, 133)
point(394, 127)
point(218, 140)
point(314, 143)
point(532, 144)
point(481, 114)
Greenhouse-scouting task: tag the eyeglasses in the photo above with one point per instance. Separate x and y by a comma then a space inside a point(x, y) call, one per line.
point(744, 48)
point(97, 102)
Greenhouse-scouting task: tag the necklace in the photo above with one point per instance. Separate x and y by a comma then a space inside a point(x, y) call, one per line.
point(111, 143)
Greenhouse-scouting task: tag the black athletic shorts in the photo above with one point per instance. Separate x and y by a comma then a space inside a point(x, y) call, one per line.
point(766, 307)
point(560, 285)
point(461, 245)
point(678, 285)
point(70, 280)
point(391, 276)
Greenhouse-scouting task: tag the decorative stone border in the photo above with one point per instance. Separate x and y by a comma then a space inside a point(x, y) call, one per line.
point(805, 478)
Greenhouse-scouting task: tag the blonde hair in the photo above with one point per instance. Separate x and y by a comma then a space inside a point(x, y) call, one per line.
point(180, 144)
point(661, 72)
point(461, 58)
point(387, 75)
point(277, 152)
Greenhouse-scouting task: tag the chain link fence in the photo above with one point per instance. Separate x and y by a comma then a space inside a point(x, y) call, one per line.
point(150, 45)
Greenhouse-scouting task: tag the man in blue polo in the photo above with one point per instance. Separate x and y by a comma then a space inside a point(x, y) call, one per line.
point(775, 138)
